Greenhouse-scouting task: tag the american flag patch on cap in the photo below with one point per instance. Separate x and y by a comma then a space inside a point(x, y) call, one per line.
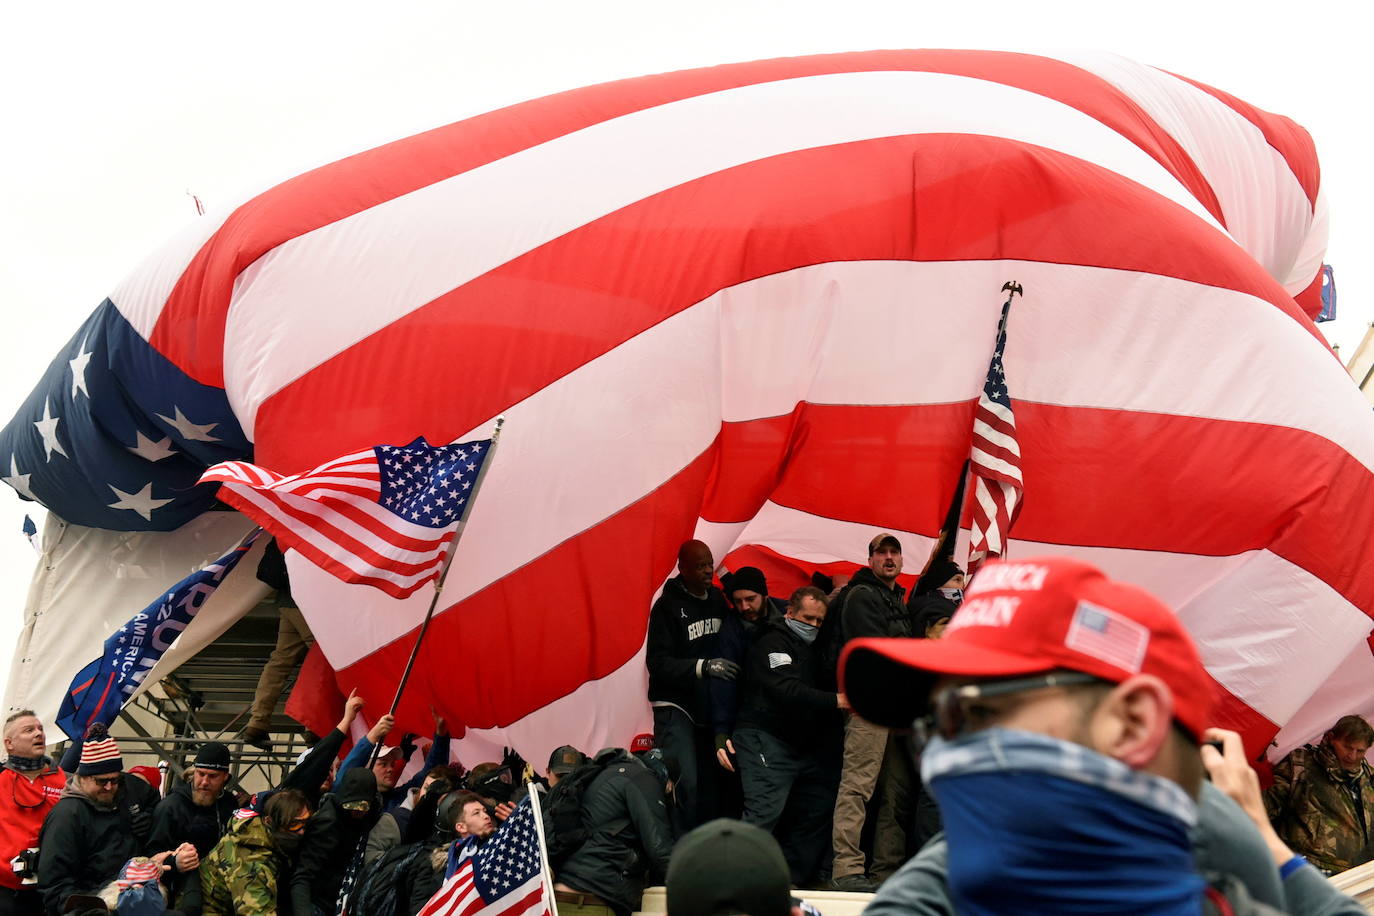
point(1108, 636)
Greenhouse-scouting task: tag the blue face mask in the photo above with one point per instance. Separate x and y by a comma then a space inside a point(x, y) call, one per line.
point(805, 630)
point(1037, 825)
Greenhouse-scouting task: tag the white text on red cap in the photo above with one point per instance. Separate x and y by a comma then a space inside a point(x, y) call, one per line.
point(996, 611)
point(1012, 577)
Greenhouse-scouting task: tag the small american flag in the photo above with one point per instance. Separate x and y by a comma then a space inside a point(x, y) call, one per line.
point(382, 517)
point(995, 459)
point(1108, 636)
point(503, 875)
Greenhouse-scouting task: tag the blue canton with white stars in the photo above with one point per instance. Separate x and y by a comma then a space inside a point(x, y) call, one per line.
point(510, 857)
point(116, 436)
point(995, 387)
point(430, 485)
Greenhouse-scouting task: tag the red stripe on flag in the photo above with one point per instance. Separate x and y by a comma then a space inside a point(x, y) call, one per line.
point(190, 329)
point(1291, 141)
point(559, 306)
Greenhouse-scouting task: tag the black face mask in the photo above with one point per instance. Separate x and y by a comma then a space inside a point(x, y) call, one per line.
point(286, 842)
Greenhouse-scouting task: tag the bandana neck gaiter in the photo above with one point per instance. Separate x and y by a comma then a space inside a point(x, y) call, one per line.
point(1038, 825)
point(28, 764)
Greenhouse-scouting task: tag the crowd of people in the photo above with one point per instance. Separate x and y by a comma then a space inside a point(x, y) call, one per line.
point(1040, 742)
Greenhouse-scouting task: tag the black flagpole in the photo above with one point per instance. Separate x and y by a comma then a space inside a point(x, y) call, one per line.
point(439, 583)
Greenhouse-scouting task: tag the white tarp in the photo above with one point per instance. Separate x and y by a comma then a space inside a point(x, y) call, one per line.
point(90, 581)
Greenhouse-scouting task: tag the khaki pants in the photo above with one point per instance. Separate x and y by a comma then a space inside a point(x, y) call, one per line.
point(294, 639)
point(872, 761)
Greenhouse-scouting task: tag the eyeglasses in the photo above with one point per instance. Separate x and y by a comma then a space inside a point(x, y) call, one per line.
point(949, 715)
point(105, 782)
point(298, 825)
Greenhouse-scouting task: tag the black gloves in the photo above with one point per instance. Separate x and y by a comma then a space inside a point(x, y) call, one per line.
point(722, 668)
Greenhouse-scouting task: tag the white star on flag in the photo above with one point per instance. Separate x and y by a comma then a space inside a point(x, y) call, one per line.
point(79, 371)
point(47, 428)
point(19, 481)
point(146, 448)
point(188, 430)
point(141, 502)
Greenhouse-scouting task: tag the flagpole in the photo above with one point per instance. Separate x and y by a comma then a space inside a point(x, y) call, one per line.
point(949, 530)
point(443, 575)
point(545, 872)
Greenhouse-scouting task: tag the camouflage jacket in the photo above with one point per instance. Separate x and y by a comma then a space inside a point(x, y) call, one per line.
point(239, 876)
point(1312, 806)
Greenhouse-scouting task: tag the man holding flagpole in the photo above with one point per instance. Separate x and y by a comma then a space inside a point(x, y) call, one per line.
point(503, 872)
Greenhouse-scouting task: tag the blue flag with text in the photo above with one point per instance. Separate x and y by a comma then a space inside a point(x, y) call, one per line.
point(101, 688)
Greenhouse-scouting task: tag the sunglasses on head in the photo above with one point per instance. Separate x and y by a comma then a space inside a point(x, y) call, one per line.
point(948, 716)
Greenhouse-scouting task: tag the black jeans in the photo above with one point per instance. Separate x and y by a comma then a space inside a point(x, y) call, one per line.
point(691, 745)
point(790, 792)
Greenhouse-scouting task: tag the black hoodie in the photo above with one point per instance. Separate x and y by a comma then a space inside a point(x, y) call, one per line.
point(333, 837)
point(683, 631)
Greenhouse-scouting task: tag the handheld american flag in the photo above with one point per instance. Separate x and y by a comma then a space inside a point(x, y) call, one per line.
point(382, 517)
point(503, 875)
point(996, 457)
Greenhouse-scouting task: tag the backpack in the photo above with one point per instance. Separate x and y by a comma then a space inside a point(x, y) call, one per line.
point(377, 891)
point(564, 832)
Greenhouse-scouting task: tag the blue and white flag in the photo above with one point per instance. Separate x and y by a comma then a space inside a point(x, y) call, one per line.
point(101, 689)
point(31, 532)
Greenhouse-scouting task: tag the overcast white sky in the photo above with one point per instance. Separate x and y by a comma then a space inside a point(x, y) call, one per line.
point(114, 112)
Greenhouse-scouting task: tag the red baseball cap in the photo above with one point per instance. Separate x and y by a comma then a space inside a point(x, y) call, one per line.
point(642, 743)
point(1028, 617)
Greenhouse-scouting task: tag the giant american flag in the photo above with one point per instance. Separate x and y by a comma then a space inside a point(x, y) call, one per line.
point(995, 460)
point(750, 303)
point(502, 875)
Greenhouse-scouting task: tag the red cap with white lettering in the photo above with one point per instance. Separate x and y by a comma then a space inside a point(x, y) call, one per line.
point(1029, 617)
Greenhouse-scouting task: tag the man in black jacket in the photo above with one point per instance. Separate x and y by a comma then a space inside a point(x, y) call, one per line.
point(683, 651)
point(334, 842)
point(784, 722)
point(871, 605)
point(625, 815)
point(196, 812)
point(747, 589)
point(86, 838)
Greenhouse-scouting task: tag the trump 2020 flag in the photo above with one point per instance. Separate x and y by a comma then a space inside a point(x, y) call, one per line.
point(382, 517)
point(503, 875)
point(101, 689)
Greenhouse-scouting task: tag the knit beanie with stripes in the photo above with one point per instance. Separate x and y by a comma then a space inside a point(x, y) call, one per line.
point(99, 753)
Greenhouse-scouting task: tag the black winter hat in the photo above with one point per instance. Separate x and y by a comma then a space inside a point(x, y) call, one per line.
point(941, 571)
point(212, 756)
point(727, 866)
point(750, 578)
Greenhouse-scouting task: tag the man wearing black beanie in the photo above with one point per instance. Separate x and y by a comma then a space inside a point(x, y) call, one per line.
point(196, 811)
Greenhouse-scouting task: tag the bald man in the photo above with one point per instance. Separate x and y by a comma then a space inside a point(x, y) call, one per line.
point(683, 652)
